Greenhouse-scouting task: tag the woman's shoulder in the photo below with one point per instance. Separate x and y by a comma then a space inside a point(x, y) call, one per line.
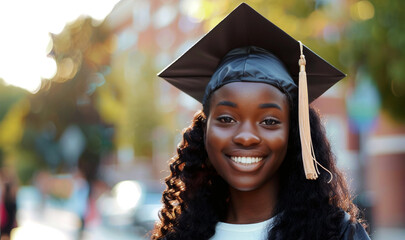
point(352, 231)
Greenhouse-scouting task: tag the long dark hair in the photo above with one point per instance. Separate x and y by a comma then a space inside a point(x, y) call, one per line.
point(196, 197)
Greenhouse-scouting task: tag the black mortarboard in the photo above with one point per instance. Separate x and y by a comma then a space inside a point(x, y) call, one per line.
point(245, 38)
point(243, 27)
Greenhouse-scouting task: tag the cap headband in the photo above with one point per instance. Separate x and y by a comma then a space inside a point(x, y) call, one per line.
point(251, 64)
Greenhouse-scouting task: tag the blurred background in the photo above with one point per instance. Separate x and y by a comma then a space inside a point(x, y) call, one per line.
point(87, 129)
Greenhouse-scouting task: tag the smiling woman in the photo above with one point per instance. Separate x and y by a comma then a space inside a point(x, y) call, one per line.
point(247, 167)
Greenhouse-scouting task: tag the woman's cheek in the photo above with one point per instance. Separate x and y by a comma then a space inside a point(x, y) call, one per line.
point(277, 140)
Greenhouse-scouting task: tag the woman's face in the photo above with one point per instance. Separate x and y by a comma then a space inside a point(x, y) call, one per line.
point(247, 133)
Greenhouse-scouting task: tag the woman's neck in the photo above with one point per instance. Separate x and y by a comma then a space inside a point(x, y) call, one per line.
point(252, 206)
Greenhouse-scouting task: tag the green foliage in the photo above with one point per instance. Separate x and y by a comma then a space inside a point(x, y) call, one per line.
point(378, 45)
point(68, 100)
point(8, 96)
point(27, 164)
point(98, 138)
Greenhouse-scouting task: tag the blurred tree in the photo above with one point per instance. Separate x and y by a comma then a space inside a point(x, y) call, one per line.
point(66, 104)
point(376, 42)
point(128, 99)
point(13, 108)
point(9, 95)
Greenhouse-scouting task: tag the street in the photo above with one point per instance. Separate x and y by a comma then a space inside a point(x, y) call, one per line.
point(43, 219)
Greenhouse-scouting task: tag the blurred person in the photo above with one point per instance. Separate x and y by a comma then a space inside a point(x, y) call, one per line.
point(42, 182)
point(93, 216)
point(78, 201)
point(255, 163)
point(8, 205)
point(86, 188)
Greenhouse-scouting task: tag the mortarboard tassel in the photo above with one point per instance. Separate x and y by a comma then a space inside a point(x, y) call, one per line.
point(308, 156)
point(307, 149)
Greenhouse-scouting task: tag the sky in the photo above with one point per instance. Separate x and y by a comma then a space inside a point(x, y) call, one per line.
point(25, 41)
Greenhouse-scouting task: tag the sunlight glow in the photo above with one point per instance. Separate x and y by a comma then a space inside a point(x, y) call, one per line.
point(128, 194)
point(32, 230)
point(25, 26)
point(193, 9)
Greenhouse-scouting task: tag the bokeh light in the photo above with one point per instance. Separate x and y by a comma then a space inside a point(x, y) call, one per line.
point(193, 8)
point(362, 10)
point(39, 231)
point(25, 26)
point(128, 194)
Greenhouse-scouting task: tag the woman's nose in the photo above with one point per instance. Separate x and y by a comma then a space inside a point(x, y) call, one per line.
point(246, 136)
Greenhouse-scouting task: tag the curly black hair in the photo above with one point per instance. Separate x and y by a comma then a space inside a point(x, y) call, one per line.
point(196, 197)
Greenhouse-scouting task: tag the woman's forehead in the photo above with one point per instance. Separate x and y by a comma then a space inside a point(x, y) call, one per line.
point(248, 93)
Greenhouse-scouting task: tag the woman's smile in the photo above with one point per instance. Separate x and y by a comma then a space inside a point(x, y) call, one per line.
point(247, 160)
point(246, 164)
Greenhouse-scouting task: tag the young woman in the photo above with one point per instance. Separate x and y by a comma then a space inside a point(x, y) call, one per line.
point(247, 167)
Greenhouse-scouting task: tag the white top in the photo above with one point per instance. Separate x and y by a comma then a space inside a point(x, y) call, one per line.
point(253, 231)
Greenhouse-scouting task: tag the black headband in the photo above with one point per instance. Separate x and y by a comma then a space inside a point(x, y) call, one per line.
point(251, 64)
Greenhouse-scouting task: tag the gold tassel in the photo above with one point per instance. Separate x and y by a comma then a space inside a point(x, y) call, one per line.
point(308, 154)
point(303, 119)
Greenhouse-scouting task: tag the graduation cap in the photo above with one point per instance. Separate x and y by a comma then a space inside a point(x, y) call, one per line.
point(246, 38)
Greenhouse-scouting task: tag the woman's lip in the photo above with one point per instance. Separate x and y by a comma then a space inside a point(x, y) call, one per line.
point(246, 154)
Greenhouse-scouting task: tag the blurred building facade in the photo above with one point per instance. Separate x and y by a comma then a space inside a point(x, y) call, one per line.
point(155, 32)
point(385, 169)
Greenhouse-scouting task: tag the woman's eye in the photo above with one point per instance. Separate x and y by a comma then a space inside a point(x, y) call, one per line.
point(270, 121)
point(226, 119)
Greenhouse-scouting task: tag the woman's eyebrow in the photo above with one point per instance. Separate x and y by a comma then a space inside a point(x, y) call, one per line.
point(227, 103)
point(269, 105)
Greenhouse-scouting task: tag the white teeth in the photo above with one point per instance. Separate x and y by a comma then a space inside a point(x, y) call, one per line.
point(247, 160)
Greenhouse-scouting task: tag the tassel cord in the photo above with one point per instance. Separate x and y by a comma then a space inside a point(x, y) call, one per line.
point(308, 154)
